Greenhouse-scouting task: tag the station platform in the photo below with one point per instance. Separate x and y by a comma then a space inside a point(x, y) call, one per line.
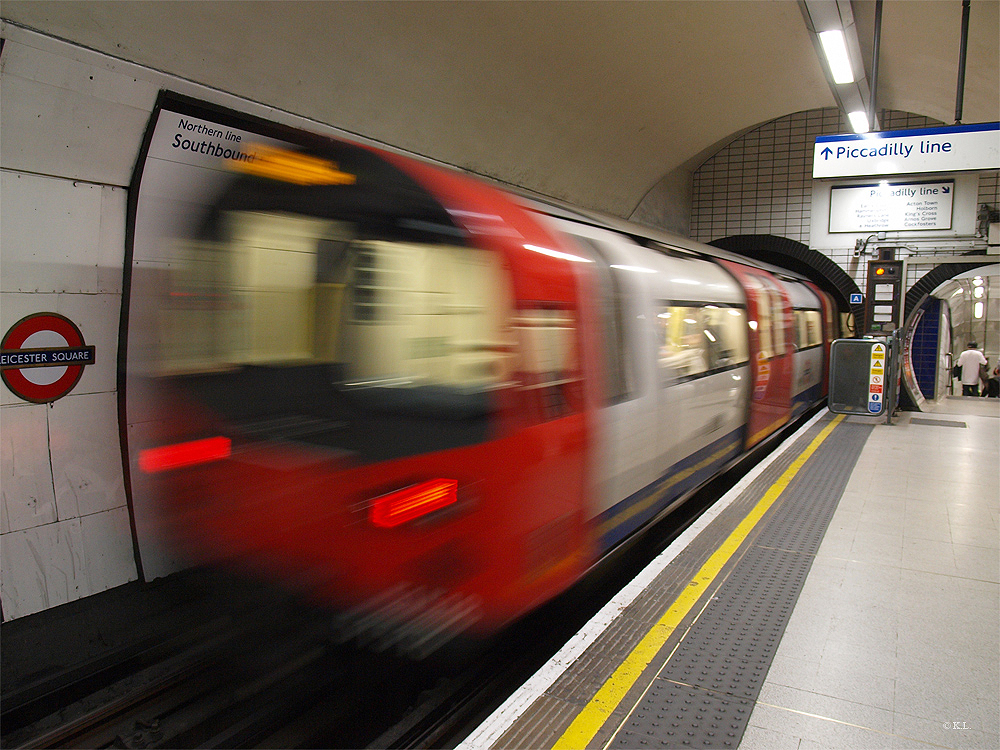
point(845, 594)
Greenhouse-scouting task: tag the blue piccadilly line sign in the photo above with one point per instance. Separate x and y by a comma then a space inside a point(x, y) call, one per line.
point(959, 148)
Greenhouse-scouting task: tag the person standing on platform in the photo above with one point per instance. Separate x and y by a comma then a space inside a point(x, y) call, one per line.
point(971, 361)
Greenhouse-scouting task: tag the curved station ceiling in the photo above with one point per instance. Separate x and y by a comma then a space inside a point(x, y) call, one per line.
point(590, 102)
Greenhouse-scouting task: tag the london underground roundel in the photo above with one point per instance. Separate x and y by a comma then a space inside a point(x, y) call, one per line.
point(42, 357)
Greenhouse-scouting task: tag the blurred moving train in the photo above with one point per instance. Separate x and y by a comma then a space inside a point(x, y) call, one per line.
point(432, 404)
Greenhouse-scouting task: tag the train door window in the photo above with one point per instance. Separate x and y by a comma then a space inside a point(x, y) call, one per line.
point(800, 328)
point(765, 325)
point(724, 330)
point(777, 321)
point(829, 322)
point(813, 328)
point(682, 344)
point(619, 374)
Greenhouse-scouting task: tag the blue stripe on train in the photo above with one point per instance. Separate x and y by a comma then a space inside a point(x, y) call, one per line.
point(622, 519)
point(805, 399)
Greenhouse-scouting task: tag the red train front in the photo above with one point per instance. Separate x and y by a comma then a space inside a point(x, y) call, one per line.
point(371, 384)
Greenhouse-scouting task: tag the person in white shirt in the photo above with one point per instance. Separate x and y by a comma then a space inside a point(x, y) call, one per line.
point(971, 361)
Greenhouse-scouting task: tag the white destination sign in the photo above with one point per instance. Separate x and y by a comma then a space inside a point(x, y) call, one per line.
point(953, 149)
point(887, 207)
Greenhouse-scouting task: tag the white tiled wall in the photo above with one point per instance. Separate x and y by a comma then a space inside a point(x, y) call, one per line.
point(64, 157)
point(761, 183)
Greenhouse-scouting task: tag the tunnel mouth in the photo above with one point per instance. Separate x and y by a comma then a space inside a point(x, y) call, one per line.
point(919, 366)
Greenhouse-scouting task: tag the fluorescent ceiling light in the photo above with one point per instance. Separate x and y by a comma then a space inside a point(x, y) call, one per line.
point(835, 49)
point(859, 121)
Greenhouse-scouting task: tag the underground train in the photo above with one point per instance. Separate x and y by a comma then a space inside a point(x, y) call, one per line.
point(432, 404)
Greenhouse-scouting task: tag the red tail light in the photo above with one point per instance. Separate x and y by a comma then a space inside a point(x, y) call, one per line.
point(413, 502)
point(176, 456)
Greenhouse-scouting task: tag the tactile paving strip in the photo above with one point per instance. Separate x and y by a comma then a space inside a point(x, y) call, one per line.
point(685, 717)
point(705, 693)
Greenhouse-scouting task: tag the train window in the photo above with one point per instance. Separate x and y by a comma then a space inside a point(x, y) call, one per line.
point(765, 327)
point(423, 316)
point(683, 350)
point(549, 366)
point(777, 321)
point(799, 318)
point(700, 340)
point(813, 327)
point(808, 328)
point(725, 331)
point(385, 347)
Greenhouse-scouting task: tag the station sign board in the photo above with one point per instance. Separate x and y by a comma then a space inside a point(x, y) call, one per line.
point(42, 357)
point(891, 207)
point(959, 148)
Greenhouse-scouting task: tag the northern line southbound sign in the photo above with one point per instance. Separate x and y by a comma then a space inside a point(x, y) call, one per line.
point(959, 148)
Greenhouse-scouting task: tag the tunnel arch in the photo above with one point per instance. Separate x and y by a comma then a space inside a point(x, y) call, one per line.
point(800, 258)
point(934, 278)
point(911, 398)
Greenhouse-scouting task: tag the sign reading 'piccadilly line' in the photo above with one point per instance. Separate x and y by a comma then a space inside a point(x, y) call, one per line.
point(956, 148)
point(42, 357)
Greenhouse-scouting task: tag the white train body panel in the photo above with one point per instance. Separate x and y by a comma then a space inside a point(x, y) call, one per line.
point(667, 417)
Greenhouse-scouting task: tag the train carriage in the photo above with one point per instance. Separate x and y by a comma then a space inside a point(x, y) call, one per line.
point(432, 405)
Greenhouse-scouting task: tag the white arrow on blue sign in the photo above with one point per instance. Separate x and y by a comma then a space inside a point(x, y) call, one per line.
point(948, 149)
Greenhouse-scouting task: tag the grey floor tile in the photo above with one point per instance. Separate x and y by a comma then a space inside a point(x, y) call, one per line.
point(822, 732)
point(950, 733)
point(758, 738)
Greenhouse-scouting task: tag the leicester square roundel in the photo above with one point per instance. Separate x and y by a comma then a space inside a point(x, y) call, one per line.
point(42, 357)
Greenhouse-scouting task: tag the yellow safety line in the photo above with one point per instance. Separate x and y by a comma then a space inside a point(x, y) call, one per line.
point(594, 714)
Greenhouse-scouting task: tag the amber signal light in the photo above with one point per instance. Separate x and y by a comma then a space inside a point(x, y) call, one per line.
point(413, 502)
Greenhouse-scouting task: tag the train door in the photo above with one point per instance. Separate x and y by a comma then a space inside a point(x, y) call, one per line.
point(624, 451)
point(770, 336)
point(830, 331)
point(808, 357)
point(700, 326)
